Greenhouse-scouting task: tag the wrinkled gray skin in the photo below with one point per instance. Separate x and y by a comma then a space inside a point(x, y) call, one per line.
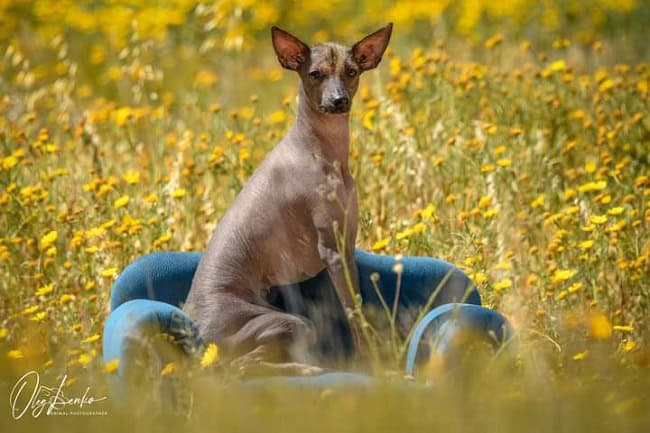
point(279, 229)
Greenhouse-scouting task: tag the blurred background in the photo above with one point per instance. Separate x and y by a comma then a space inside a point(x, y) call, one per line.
point(175, 44)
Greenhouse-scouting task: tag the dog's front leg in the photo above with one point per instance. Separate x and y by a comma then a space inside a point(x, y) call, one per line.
point(345, 288)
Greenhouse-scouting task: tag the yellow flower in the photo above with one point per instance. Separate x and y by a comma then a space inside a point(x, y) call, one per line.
point(210, 356)
point(168, 369)
point(131, 177)
point(121, 202)
point(623, 328)
point(493, 41)
point(490, 213)
point(593, 186)
point(598, 219)
point(479, 278)
point(504, 162)
point(586, 245)
point(30, 310)
point(38, 316)
point(85, 359)
point(121, 115)
point(368, 120)
point(277, 117)
point(9, 162)
point(569, 193)
point(112, 366)
point(484, 202)
point(558, 65)
point(561, 275)
point(15, 354)
point(42, 291)
point(600, 327)
point(91, 339)
point(428, 212)
point(606, 85)
point(244, 155)
point(538, 202)
point(629, 346)
point(48, 239)
point(3, 333)
point(179, 193)
point(616, 210)
point(109, 272)
point(506, 283)
point(65, 298)
point(580, 356)
point(381, 244)
point(574, 287)
point(151, 198)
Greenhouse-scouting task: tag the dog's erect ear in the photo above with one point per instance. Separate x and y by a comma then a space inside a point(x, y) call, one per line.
point(368, 51)
point(291, 51)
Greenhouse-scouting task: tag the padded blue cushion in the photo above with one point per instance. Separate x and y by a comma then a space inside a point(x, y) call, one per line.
point(134, 321)
point(441, 324)
point(164, 276)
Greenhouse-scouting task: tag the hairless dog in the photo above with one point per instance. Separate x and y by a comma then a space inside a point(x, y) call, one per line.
point(294, 217)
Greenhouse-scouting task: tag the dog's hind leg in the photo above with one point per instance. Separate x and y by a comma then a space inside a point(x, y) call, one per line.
point(281, 343)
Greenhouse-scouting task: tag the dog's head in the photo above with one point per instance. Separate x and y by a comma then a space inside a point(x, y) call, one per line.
point(330, 71)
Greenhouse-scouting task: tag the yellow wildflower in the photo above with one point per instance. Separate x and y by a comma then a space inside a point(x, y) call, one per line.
point(210, 355)
point(561, 275)
point(586, 245)
point(48, 239)
point(598, 219)
point(168, 369)
point(380, 244)
point(600, 327)
point(121, 202)
point(131, 177)
point(112, 366)
point(85, 359)
point(179, 193)
point(593, 186)
point(91, 339)
point(538, 202)
point(506, 283)
point(109, 272)
point(580, 356)
point(15, 354)
point(42, 291)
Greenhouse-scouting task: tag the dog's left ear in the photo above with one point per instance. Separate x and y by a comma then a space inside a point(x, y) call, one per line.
point(291, 51)
point(368, 51)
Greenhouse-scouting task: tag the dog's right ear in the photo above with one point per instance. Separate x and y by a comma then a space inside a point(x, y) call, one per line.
point(291, 51)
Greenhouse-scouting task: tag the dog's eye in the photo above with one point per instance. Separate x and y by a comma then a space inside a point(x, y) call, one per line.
point(316, 75)
point(351, 73)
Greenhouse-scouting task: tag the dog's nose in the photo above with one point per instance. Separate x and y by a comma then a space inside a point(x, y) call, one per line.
point(342, 103)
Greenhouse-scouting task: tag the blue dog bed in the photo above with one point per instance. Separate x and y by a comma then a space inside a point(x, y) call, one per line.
point(146, 297)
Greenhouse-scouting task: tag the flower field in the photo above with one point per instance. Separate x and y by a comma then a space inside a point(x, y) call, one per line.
point(510, 138)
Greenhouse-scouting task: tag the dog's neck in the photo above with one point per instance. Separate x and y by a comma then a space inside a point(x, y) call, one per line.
point(326, 134)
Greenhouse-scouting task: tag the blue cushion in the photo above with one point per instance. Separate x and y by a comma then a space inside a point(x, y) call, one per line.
point(440, 325)
point(164, 276)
